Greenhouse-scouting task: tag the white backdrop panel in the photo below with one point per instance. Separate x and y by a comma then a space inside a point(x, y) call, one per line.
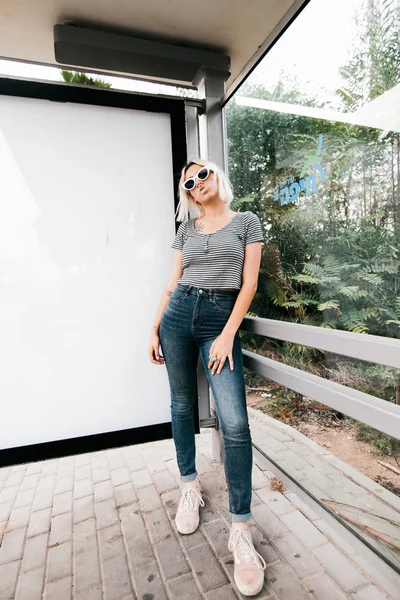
point(86, 224)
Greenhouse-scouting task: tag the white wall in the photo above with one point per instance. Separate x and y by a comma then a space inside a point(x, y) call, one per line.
point(86, 224)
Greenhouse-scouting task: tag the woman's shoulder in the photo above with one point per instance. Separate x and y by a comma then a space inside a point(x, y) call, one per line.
point(247, 213)
point(248, 216)
point(183, 225)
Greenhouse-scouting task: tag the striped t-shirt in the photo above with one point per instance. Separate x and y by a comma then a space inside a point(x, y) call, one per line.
point(215, 260)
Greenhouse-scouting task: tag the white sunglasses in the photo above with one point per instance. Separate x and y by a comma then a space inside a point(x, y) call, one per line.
point(201, 175)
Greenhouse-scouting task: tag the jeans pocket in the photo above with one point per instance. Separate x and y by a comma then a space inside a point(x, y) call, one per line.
point(224, 304)
point(178, 295)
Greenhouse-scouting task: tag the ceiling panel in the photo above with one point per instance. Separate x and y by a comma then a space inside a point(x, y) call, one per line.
point(238, 28)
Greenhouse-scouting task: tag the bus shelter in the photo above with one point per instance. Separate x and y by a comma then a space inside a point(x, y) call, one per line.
point(88, 194)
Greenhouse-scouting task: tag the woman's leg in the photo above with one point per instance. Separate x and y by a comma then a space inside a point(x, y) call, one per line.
point(181, 356)
point(228, 389)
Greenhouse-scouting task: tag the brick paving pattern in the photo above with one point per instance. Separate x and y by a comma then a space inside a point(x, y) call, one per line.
point(101, 526)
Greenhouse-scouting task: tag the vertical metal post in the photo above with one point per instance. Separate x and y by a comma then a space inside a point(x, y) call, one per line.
point(192, 131)
point(211, 85)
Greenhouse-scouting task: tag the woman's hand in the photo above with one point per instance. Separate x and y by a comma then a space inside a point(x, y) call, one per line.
point(221, 347)
point(154, 353)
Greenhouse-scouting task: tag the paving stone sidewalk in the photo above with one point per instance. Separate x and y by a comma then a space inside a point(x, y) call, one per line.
point(101, 526)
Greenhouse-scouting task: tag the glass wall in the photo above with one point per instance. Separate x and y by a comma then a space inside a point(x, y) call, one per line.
point(314, 151)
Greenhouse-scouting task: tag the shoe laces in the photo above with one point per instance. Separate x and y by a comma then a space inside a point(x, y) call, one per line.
point(190, 498)
point(240, 540)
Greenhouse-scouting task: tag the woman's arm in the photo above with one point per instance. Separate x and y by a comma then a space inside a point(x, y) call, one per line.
point(251, 269)
point(223, 344)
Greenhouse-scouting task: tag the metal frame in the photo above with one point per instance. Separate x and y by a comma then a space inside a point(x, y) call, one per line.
point(379, 414)
point(371, 348)
point(175, 107)
point(373, 411)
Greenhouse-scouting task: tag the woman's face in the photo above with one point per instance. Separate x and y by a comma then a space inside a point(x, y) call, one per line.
point(204, 191)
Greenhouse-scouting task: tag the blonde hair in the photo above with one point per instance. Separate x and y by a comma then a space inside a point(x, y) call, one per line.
point(187, 207)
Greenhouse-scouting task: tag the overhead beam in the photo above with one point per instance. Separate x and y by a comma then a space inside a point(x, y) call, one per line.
point(84, 47)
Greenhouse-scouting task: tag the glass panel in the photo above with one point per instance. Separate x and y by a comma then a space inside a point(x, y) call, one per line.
point(314, 151)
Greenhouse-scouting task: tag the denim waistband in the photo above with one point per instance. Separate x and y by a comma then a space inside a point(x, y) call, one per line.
point(208, 292)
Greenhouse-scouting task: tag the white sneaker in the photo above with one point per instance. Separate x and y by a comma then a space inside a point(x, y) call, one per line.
point(187, 516)
point(249, 565)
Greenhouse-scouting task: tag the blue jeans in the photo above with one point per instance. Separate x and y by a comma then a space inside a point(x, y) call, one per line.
point(192, 320)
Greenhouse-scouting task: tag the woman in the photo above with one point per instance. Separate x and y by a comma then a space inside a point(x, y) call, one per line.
point(212, 284)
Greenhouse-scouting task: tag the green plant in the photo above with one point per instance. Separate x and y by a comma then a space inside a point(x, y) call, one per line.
point(383, 442)
point(83, 79)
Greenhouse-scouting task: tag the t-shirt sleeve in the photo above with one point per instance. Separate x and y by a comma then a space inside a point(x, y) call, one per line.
point(180, 237)
point(253, 229)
